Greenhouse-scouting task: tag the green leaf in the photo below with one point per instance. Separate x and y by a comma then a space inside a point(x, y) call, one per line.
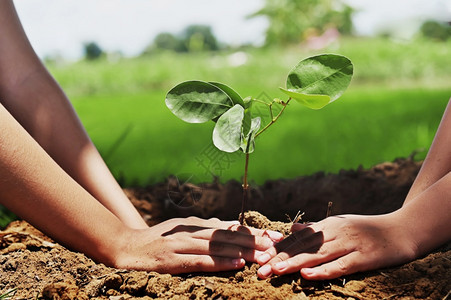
point(197, 101)
point(325, 74)
point(227, 131)
point(248, 141)
point(236, 98)
point(311, 101)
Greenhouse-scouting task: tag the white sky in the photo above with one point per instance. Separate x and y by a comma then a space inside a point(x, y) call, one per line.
point(62, 26)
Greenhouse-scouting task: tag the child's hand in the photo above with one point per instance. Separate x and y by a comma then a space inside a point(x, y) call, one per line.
point(339, 245)
point(194, 245)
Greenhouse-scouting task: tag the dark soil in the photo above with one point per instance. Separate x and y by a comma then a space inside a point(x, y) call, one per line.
point(39, 268)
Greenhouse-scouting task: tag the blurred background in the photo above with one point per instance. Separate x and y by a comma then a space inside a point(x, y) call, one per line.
point(117, 59)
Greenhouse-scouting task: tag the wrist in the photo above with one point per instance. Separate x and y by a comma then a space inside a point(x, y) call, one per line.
point(125, 253)
point(404, 233)
point(113, 250)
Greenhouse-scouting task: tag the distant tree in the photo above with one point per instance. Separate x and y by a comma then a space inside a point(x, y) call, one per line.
point(168, 41)
point(192, 38)
point(290, 21)
point(199, 38)
point(92, 51)
point(436, 30)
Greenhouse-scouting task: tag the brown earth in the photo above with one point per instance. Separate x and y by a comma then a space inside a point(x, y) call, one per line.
point(40, 268)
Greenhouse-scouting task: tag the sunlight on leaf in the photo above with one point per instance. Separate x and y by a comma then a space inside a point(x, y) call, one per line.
point(227, 132)
point(197, 101)
point(319, 76)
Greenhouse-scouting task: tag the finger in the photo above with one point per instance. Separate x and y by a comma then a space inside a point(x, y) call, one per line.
point(191, 232)
point(307, 243)
point(200, 263)
point(295, 243)
point(328, 252)
point(234, 226)
point(239, 238)
point(342, 266)
point(273, 235)
point(218, 249)
point(211, 223)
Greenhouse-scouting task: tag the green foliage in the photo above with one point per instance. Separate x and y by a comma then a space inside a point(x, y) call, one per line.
point(194, 38)
point(383, 62)
point(92, 51)
point(168, 41)
point(399, 93)
point(436, 30)
point(290, 21)
point(197, 101)
point(319, 80)
point(381, 124)
point(229, 129)
point(199, 38)
point(313, 82)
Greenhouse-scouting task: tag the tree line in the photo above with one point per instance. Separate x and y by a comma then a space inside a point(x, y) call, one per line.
point(290, 22)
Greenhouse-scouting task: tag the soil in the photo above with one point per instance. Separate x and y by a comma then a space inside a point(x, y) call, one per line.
point(40, 268)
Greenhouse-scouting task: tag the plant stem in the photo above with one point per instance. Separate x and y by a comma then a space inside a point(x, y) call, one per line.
point(329, 209)
point(260, 101)
point(245, 190)
point(273, 120)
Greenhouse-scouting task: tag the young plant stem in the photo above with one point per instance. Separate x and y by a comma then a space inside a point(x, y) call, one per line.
point(245, 190)
point(273, 120)
point(329, 209)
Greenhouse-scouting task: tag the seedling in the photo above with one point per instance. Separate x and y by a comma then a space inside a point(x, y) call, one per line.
point(314, 82)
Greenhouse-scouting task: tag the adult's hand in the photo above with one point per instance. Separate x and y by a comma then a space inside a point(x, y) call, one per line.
point(193, 245)
point(340, 245)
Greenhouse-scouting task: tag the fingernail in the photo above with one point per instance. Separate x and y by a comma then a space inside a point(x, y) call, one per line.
point(274, 235)
point(238, 262)
point(281, 265)
point(265, 271)
point(308, 271)
point(263, 259)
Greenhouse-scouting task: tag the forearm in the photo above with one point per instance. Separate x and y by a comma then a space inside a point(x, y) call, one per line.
point(34, 187)
point(44, 111)
point(427, 216)
point(438, 160)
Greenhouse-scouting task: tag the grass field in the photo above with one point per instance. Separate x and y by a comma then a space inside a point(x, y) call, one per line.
point(391, 109)
point(143, 142)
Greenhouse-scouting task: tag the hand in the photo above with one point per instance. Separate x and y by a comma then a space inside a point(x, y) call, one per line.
point(340, 245)
point(194, 245)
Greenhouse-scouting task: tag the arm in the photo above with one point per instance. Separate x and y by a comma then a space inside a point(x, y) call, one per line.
point(438, 161)
point(342, 245)
point(37, 189)
point(57, 192)
point(36, 101)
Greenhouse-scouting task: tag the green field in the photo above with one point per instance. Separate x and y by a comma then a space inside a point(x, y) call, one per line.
point(392, 108)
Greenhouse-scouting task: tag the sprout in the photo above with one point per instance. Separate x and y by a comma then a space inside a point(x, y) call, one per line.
point(314, 82)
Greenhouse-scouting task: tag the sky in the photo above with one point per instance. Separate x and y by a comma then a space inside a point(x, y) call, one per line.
point(61, 27)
